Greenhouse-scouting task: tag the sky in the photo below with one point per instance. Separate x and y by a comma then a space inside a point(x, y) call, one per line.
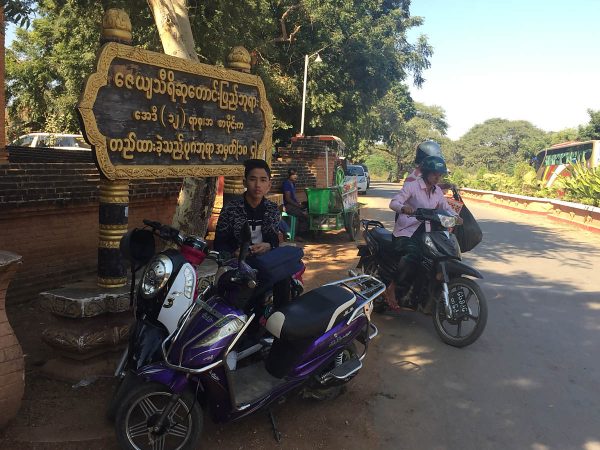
point(528, 60)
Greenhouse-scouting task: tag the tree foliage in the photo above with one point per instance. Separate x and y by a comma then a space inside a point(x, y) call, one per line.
point(497, 145)
point(592, 129)
point(363, 44)
point(403, 124)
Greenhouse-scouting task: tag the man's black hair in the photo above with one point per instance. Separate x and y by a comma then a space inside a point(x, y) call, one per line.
point(251, 164)
point(291, 171)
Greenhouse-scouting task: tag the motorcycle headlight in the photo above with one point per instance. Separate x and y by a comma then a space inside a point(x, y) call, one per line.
point(429, 243)
point(226, 327)
point(156, 275)
point(447, 221)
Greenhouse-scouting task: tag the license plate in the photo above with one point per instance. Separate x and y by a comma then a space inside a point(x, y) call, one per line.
point(458, 303)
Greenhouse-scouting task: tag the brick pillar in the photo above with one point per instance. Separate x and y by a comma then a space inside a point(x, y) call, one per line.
point(12, 383)
point(3, 150)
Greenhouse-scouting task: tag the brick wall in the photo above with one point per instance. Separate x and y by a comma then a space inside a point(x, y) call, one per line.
point(307, 156)
point(49, 215)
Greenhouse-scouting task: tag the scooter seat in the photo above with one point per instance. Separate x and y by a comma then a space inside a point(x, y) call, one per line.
point(312, 314)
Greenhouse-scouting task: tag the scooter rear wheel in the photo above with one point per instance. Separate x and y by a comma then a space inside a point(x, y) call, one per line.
point(140, 410)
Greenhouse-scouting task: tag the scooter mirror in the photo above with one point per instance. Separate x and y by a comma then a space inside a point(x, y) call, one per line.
point(246, 236)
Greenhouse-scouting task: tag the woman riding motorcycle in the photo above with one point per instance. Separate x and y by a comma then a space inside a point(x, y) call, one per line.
point(424, 192)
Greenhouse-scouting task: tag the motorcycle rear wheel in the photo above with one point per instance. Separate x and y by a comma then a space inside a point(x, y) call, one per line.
point(444, 326)
point(144, 405)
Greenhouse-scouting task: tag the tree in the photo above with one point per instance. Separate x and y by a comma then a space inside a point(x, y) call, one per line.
point(403, 124)
point(497, 144)
point(364, 46)
point(592, 129)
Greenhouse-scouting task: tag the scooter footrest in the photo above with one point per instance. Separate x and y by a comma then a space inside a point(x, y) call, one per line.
point(346, 369)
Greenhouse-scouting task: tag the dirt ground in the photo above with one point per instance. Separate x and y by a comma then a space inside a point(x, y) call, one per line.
point(58, 415)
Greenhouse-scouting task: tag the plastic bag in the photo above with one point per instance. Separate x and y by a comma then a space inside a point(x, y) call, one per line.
point(468, 234)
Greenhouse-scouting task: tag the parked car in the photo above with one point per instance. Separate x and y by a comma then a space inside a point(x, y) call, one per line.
point(364, 166)
point(52, 140)
point(359, 173)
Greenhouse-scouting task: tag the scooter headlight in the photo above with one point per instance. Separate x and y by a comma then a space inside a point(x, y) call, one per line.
point(447, 221)
point(156, 275)
point(226, 327)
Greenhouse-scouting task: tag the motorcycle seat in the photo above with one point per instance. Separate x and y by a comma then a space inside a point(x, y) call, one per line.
point(312, 314)
point(382, 236)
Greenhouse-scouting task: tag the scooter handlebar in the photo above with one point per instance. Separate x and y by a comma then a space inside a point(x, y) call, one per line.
point(165, 232)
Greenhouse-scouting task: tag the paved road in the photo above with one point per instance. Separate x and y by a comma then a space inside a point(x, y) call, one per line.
point(532, 381)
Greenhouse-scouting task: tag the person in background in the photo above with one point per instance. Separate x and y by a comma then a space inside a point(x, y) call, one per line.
point(424, 192)
point(422, 151)
point(292, 206)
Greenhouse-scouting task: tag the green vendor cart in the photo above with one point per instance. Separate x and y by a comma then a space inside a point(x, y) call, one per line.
point(335, 207)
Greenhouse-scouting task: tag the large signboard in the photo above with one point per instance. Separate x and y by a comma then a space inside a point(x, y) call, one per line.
point(151, 115)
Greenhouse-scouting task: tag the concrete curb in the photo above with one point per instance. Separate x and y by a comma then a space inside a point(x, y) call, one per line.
point(581, 216)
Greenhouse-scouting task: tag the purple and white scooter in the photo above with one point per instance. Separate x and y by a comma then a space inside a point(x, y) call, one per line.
point(220, 361)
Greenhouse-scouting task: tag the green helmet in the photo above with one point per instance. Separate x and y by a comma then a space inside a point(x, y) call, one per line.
point(434, 164)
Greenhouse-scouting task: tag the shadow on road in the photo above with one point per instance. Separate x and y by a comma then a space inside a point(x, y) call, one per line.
point(502, 239)
point(524, 384)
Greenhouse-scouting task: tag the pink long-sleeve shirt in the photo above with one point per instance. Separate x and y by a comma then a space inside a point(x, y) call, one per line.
point(415, 194)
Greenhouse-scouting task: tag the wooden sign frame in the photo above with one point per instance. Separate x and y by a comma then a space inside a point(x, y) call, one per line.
point(100, 143)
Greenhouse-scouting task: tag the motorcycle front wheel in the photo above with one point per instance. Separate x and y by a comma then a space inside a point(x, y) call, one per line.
point(464, 330)
point(140, 410)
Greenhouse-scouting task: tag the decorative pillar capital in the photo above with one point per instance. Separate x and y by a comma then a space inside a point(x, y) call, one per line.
point(116, 26)
point(239, 59)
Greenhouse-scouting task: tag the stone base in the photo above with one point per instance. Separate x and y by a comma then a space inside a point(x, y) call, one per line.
point(85, 338)
point(73, 371)
point(85, 299)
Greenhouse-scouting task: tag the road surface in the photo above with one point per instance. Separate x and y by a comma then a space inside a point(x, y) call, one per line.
point(532, 381)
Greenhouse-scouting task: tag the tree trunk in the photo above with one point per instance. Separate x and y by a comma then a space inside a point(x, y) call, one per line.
point(197, 195)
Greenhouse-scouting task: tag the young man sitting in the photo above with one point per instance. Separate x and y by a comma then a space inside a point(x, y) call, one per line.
point(262, 216)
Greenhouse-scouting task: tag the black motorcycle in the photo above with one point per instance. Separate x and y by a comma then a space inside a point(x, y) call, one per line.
point(441, 286)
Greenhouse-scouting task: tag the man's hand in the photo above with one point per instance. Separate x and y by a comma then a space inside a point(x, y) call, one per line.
point(259, 249)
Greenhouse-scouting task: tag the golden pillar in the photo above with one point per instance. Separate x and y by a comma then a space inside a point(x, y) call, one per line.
point(238, 59)
point(114, 194)
point(113, 218)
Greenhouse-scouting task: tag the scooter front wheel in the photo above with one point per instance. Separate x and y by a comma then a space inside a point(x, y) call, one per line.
point(123, 387)
point(465, 328)
point(140, 410)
